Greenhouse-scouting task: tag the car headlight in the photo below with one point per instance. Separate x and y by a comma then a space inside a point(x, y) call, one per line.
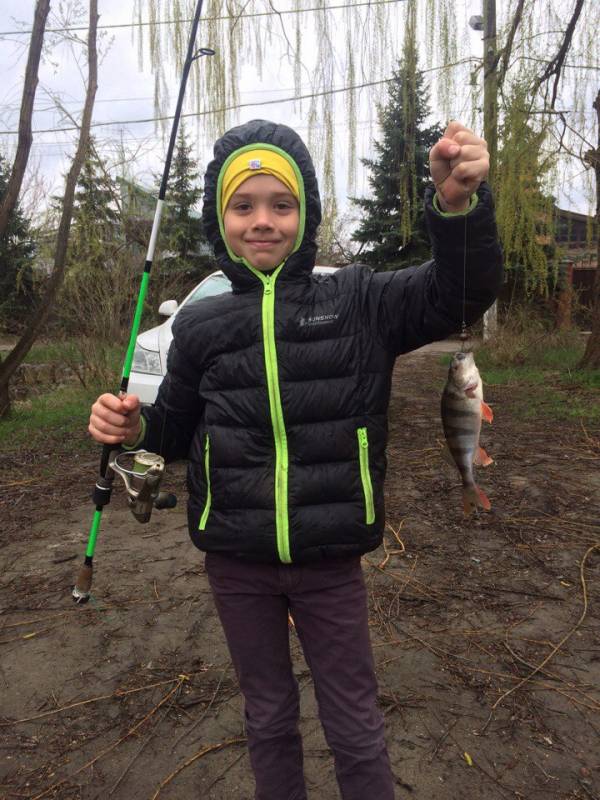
point(147, 361)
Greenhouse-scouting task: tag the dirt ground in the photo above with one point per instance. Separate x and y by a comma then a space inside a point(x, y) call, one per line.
point(486, 632)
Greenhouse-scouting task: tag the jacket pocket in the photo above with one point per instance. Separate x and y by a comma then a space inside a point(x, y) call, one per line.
point(365, 475)
point(206, 512)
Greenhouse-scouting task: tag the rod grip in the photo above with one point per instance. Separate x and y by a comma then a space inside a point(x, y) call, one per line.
point(104, 458)
point(83, 584)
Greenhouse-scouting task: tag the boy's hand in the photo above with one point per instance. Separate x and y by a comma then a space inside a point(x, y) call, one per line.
point(458, 163)
point(115, 420)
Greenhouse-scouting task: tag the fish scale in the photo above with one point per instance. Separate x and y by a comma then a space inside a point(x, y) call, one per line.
point(462, 409)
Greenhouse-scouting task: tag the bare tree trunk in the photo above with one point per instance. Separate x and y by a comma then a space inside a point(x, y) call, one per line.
point(591, 357)
point(16, 356)
point(15, 181)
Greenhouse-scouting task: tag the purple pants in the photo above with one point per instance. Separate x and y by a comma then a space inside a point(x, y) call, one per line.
point(328, 603)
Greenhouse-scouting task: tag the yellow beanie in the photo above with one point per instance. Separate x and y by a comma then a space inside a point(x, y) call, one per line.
point(257, 162)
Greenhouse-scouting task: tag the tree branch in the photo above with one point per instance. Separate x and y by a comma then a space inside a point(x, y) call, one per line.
point(40, 315)
point(555, 66)
point(507, 49)
point(15, 181)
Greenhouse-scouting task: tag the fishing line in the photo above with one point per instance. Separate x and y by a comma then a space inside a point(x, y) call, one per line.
point(464, 334)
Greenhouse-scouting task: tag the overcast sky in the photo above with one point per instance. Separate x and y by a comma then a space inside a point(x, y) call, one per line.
point(126, 93)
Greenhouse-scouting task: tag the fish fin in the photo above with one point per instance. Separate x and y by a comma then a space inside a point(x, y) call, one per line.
point(482, 459)
point(486, 412)
point(473, 498)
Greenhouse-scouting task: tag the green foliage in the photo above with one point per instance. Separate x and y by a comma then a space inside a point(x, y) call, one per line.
point(51, 352)
point(335, 46)
point(17, 251)
point(185, 249)
point(524, 211)
point(92, 361)
point(101, 281)
point(60, 413)
point(526, 338)
point(56, 414)
point(393, 224)
point(253, 38)
point(95, 226)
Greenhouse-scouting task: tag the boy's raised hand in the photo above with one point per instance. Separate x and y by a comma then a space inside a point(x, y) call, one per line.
point(458, 163)
point(115, 420)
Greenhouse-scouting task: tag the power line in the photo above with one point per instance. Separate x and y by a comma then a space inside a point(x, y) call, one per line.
point(206, 113)
point(40, 146)
point(209, 19)
point(40, 109)
point(235, 107)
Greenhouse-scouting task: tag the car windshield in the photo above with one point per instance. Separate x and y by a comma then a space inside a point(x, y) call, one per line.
point(216, 284)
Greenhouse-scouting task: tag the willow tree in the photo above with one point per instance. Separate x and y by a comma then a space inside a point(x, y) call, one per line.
point(340, 56)
point(524, 209)
point(545, 60)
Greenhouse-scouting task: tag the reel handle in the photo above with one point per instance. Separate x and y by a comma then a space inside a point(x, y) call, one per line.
point(165, 500)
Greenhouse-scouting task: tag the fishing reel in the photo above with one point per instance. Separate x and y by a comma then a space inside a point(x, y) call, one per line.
point(142, 473)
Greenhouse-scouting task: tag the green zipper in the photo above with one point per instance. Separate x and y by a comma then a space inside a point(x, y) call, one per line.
point(206, 511)
point(279, 434)
point(365, 475)
point(268, 321)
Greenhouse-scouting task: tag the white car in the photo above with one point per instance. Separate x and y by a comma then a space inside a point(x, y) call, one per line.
point(150, 356)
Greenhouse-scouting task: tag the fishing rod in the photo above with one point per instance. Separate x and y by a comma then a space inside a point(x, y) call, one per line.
point(143, 474)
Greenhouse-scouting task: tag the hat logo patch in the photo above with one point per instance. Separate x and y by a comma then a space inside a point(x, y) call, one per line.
point(255, 163)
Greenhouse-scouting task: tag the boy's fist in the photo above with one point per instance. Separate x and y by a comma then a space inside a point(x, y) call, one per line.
point(458, 163)
point(115, 420)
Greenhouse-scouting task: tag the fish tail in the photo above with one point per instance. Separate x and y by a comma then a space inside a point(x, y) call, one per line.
point(473, 498)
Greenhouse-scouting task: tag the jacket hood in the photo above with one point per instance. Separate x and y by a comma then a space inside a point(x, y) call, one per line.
point(301, 262)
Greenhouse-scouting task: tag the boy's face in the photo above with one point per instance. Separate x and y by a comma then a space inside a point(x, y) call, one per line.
point(261, 221)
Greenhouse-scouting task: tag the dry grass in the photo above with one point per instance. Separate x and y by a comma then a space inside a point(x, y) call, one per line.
point(526, 338)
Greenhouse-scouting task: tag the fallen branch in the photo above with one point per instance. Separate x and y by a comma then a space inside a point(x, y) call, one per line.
point(130, 732)
point(404, 581)
point(225, 771)
point(113, 695)
point(389, 553)
point(204, 713)
point(29, 635)
point(32, 621)
point(210, 749)
point(142, 748)
point(565, 638)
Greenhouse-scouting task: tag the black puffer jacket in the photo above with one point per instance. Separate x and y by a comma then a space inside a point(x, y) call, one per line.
point(278, 392)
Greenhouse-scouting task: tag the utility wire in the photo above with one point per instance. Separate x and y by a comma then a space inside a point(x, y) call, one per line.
point(210, 19)
point(43, 107)
point(49, 148)
point(238, 106)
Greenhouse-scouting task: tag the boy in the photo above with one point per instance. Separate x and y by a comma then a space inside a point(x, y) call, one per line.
point(277, 393)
